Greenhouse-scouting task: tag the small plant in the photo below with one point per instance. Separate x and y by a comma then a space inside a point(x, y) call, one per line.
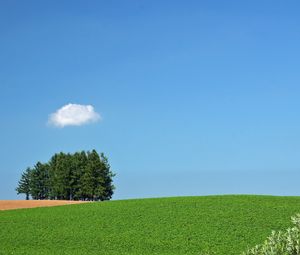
point(280, 242)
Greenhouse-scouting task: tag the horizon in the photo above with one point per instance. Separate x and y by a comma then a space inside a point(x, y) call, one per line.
point(184, 98)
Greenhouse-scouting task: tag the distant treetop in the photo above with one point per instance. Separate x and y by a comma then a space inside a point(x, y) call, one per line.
point(79, 176)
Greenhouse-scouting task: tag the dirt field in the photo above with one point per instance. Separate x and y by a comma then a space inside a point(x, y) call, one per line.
point(17, 204)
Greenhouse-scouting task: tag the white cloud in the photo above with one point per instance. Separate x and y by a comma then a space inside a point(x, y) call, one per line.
point(73, 115)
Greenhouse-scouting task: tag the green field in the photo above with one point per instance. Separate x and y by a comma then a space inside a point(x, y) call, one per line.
point(182, 225)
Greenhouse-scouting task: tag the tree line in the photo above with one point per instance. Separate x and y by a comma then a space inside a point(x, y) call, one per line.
point(79, 176)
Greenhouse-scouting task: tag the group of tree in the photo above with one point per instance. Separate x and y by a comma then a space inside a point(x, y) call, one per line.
point(79, 176)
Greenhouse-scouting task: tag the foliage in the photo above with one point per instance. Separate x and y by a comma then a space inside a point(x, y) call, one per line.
point(280, 243)
point(79, 176)
point(24, 183)
point(215, 225)
point(39, 181)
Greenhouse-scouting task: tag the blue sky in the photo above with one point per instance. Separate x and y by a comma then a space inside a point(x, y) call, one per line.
point(195, 97)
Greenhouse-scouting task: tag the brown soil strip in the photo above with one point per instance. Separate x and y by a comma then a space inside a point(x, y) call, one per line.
point(18, 204)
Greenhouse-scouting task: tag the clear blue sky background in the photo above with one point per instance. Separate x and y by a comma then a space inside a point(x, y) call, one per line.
point(197, 97)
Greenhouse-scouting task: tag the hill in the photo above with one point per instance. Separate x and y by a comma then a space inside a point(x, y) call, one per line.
point(180, 225)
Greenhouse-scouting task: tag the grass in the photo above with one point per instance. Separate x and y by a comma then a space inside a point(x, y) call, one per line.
point(182, 225)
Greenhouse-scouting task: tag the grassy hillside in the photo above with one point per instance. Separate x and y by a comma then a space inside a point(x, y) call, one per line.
point(184, 225)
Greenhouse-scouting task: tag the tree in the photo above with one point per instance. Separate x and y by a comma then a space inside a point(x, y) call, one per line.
point(97, 179)
point(107, 176)
point(39, 184)
point(79, 176)
point(78, 167)
point(88, 180)
point(24, 183)
point(60, 167)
